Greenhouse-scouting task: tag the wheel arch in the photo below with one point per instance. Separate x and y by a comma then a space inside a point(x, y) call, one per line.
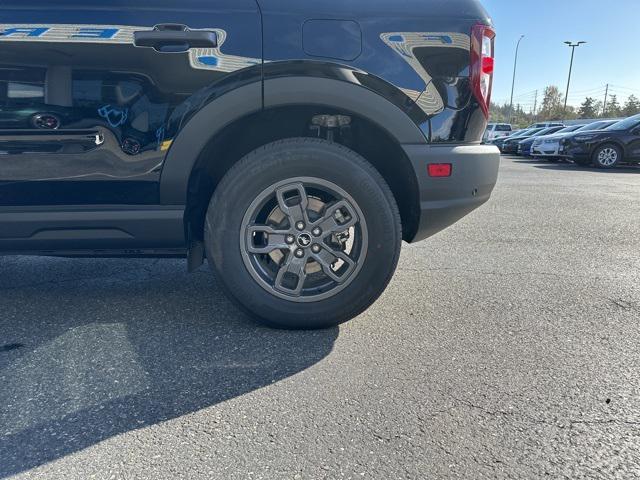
point(212, 141)
point(610, 141)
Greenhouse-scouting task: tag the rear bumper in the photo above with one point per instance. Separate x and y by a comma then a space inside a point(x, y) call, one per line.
point(444, 201)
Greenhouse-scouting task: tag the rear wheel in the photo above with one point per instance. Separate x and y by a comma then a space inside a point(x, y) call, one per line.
point(607, 156)
point(303, 233)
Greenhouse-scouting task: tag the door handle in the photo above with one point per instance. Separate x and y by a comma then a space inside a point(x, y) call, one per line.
point(170, 38)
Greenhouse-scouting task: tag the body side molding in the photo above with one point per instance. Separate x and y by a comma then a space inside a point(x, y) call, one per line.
point(91, 227)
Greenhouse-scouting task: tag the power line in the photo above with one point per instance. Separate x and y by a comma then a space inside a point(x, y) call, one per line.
point(625, 88)
point(577, 94)
point(587, 90)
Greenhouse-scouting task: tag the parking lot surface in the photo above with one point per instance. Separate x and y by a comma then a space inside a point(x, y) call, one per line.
point(505, 347)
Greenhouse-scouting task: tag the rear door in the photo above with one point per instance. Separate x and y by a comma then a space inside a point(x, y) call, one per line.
point(93, 92)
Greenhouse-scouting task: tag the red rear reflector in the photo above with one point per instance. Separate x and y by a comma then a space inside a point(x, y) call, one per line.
point(487, 65)
point(439, 169)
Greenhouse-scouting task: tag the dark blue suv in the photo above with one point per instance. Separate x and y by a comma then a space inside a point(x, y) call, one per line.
point(293, 144)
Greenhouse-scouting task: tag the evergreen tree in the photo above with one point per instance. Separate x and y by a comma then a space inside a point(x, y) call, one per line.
point(631, 106)
point(588, 109)
point(613, 107)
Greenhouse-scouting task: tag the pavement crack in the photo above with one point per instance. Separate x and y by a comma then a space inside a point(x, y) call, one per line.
point(625, 304)
point(493, 413)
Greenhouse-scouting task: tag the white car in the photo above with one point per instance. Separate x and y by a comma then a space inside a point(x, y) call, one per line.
point(497, 130)
point(548, 147)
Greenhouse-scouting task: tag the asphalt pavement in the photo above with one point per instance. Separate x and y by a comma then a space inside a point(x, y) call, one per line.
point(505, 347)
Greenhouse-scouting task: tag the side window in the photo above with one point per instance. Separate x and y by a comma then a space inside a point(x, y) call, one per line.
point(20, 88)
point(17, 92)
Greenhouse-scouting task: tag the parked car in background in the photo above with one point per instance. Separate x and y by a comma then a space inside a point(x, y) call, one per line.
point(524, 146)
point(498, 142)
point(497, 130)
point(546, 125)
point(548, 147)
point(606, 148)
point(510, 144)
point(542, 142)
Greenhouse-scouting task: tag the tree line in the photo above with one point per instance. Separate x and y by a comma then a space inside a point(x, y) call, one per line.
point(552, 108)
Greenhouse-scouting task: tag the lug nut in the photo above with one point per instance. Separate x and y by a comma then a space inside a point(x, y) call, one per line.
point(317, 231)
point(315, 248)
point(299, 253)
point(300, 225)
point(290, 239)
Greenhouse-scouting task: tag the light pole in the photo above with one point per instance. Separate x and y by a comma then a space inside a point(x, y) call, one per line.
point(573, 46)
point(513, 82)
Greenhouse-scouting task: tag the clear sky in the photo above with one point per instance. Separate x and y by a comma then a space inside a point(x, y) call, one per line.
point(612, 54)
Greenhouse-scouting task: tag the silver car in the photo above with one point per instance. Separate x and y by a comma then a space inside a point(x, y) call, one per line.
point(548, 147)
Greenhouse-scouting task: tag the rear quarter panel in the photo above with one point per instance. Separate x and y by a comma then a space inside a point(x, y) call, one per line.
point(415, 52)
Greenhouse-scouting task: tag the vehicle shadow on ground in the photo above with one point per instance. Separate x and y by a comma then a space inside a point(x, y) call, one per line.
point(90, 349)
point(562, 166)
point(572, 167)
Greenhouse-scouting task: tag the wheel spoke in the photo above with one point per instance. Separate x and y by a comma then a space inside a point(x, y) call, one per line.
point(326, 258)
point(329, 223)
point(276, 239)
point(294, 266)
point(296, 212)
point(303, 239)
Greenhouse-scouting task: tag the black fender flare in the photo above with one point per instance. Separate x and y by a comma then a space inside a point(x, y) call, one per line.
point(343, 95)
point(276, 92)
point(192, 139)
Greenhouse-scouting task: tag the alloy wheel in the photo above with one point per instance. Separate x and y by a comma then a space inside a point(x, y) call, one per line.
point(607, 157)
point(304, 239)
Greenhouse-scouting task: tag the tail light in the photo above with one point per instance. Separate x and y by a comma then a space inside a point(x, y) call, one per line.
point(482, 61)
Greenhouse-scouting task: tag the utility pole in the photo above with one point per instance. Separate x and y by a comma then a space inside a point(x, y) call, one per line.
point(606, 95)
point(573, 46)
point(535, 106)
point(513, 82)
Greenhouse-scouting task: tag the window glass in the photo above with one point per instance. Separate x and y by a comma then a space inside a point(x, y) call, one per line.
point(25, 91)
point(625, 124)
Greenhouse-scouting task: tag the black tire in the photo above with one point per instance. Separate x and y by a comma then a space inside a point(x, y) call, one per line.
point(308, 159)
point(607, 156)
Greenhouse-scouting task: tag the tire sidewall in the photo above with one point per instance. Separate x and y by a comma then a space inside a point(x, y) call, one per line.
point(303, 158)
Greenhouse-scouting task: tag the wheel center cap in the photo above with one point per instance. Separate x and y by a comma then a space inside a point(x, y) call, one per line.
point(304, 240)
